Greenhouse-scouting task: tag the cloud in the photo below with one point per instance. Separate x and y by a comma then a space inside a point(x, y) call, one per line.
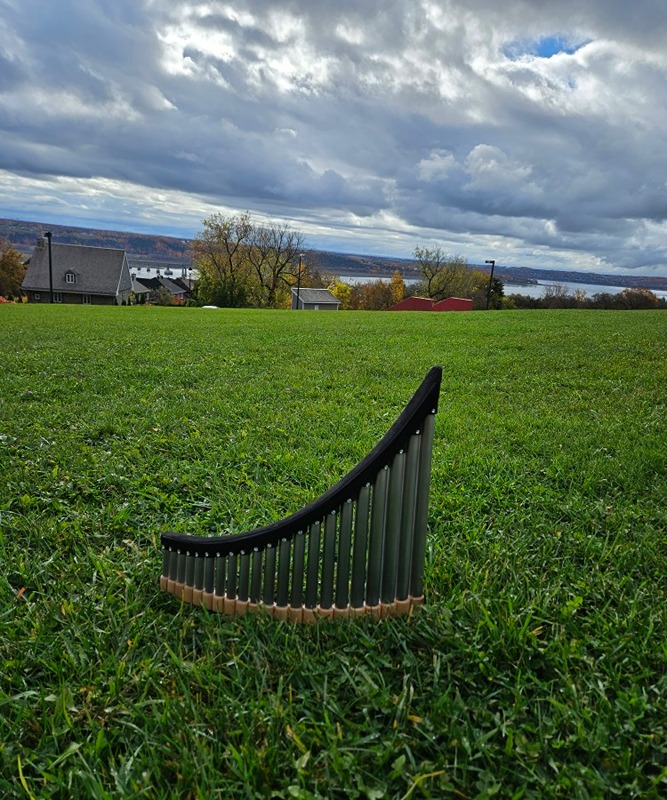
point(530, 129)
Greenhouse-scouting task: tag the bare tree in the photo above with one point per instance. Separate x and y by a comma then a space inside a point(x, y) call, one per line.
point(555, 295)
point(274, 254)
point(242, 263)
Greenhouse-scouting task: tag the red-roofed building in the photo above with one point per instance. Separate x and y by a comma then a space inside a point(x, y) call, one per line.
point(453, 304)
point(413, 304)
point(427, 304)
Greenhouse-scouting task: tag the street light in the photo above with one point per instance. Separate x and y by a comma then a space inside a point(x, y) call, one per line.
point(491, 261)
point(298, 281)
point(48, 239)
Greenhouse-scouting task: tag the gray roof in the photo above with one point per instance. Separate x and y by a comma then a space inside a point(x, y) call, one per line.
point(171, 286)
point(316, 296)
point(153, 284)
point(97, 270)
point(138, 287)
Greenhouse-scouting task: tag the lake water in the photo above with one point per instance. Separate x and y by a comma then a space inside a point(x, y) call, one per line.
point(145, 271)
point(538, 289)
point(531, 289)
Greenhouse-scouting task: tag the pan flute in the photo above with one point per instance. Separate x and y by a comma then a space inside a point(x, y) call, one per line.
point(358, 549)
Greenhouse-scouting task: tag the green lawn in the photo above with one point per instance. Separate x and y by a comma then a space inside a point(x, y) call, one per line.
point(537, 667)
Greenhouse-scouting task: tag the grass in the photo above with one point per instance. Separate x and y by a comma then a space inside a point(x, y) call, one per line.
point(537, 667)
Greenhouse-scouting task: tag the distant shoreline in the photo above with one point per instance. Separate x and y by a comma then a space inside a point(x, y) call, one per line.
point(159, 251)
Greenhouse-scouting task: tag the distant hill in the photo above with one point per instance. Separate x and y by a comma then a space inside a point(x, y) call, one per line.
point(150, 249)
point(145, 249)
point(351, 264)
point(22, 236)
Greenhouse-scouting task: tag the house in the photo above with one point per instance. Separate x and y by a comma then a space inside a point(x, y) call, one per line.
point(151, 288)
point(314, 299)
point(78, 274)
point(428, 304)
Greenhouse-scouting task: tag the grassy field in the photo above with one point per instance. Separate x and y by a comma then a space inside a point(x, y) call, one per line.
point(537, 667)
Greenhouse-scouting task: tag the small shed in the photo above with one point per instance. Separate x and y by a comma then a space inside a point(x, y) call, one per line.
point(314, 300)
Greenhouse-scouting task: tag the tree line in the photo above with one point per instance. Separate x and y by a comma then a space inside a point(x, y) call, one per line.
point(558, 296)
point(243, 263)
point(12, 271)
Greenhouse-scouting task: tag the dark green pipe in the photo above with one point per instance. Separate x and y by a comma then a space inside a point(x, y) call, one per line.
point(232, 577)
point(166, 563)
point(269, 575)
point(209, 573)
point(408, 518)
point(328, 561)
point(421, 514)
point(358, 589)
point(244, 577)
point(182, 566)
point(199, 572)
point(220, 568)
point(282, 598)
point(393, 529)
point(297, 570)
point(256, 582)
point(376, 538)
point(313, 568)
point(344, 554)
point(174, 564)
point(190, 571)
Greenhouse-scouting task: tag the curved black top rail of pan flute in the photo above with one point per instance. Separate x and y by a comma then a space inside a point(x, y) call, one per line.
point(403, 454)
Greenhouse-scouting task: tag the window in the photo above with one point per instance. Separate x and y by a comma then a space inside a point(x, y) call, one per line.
point(37, 296)
point(85, 299)
point(70, 277)
point(57, 297)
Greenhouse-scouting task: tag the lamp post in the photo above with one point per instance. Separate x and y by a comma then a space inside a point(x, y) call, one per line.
point(491, 261)
point(48, 239)
point(298, 281)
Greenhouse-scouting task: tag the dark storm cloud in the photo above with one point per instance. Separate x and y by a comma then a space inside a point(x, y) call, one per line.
point(437, 120)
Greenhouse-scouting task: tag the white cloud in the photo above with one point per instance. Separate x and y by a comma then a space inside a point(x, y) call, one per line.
point(437, 166)
point(532, 129)
point(490, 169)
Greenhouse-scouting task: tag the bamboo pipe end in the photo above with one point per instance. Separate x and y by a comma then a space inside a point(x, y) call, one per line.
point(402, 607)
point(241, 608)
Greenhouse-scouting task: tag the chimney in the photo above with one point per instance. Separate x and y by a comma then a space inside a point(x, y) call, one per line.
point(41, 242)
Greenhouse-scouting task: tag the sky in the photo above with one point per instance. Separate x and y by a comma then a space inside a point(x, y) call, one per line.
point(531, 132)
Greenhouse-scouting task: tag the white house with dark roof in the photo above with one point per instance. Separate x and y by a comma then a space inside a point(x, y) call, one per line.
point(314, 299)
point(79, 274)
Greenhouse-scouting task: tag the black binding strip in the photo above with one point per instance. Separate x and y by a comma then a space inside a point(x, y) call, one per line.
point(423, 402)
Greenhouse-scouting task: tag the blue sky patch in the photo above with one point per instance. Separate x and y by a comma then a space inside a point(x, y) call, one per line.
point(545, 47)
